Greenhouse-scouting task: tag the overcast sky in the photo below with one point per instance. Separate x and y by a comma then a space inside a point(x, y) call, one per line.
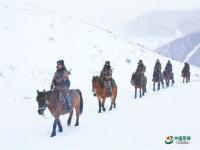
point(108, 13)
point(117, 10)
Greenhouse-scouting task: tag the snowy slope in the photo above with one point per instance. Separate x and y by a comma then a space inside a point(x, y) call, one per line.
point(34, 39)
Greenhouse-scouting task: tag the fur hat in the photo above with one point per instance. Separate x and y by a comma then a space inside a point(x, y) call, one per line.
point(107, 63)
point(61, 62)
point(140, 62)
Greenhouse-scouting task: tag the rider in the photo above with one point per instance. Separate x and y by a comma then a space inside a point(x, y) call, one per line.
point(61, 83)
point(106, 76)
point(168, 67)
point(168, 70)
point(157, 68)
point(157, 71)
point(141, 68)
point(186, 68)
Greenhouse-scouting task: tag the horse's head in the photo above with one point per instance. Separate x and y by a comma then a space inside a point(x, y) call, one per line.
point(94, 83)
point(132, 78)
point(42, 101)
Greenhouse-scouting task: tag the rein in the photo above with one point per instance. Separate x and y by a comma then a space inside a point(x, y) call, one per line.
point(46, 105)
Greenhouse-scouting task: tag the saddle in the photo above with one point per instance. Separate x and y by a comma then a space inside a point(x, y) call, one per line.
point(66, 100)
point(157, 76)
point(109, 84)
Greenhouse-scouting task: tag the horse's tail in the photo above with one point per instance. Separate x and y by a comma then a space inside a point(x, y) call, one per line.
point(81, 101)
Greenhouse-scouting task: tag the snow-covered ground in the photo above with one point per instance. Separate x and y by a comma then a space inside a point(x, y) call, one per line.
point(33, 39)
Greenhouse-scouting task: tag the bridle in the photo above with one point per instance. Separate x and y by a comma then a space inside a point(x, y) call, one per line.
point(45, 105)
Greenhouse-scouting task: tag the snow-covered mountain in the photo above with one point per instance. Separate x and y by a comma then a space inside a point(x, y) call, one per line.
point(158, 27)
point(33, 38)
point(184, 49)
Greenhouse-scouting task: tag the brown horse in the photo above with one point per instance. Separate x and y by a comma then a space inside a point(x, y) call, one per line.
point(101, 92)
point(157, 78)
point(51, 100)
point(167, 76)
point(140, 82)
point(186, 76)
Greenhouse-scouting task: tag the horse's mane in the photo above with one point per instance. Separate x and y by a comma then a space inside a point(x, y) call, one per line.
point(99, 80)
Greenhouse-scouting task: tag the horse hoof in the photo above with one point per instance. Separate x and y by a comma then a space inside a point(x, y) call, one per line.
point(110, 109)
point(68, 123)
point(77, 124)
point(104, 109)
point(99, 111)
point(60, 130)
point(53, 134)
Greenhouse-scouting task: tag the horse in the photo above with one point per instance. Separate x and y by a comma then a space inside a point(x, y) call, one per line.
point(51, 100)
point(101, 92)
point(167, 77)
point(186, 76)
point(139, 81)
point(157, 78)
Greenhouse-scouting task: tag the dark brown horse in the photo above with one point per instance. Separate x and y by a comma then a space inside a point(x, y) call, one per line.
point(140, 82)
point(101, 92)
point(157, 78)
point(186, 76)
point(51, 100)
point(167, 76)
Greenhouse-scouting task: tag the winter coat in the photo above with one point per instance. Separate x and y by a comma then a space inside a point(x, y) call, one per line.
point(168, 67)
point(106, 73)
point(186, 68)
point(157, 68)
point(61, 81)
point(140, 69)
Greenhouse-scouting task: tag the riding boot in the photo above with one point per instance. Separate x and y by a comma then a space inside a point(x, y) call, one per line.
point(68, 103)
point(110, 91)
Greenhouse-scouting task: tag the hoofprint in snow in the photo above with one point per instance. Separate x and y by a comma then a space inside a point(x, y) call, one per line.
point(33, 40)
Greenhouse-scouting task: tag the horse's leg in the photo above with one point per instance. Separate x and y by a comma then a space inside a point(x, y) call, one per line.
point(114, 98)
point(172, 81)
point(60, 126)
point(99, 100)
point(114, 101)
point(143, 90)
point(103, 104)
point(162, 83)
point(188, 79)
point(77, 116)
point(54, 128)
point(70, 118)
point(111, 103)
point(166, 81)
point(135, 92)
point(158, 86)
point(153, 86)
point(140, 92)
